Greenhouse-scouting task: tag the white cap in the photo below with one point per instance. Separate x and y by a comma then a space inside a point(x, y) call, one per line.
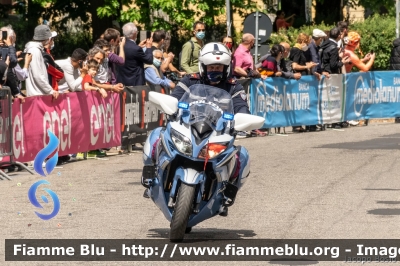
point(318, 33)
point(53, 34)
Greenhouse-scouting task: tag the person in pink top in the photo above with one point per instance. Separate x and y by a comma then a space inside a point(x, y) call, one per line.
point(243, 66)
point(281, 22)
point(243, 60)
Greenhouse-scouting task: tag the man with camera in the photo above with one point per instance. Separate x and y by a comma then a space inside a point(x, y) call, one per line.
point(9, 54)
point(132, 72)
point(74, 71)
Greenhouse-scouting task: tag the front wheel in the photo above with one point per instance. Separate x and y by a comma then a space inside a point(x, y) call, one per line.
point(182, 211)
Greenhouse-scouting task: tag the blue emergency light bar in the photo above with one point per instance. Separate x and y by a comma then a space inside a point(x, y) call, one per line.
point(182, 105)
point(227, 116)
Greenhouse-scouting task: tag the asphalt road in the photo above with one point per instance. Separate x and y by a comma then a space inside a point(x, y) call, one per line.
point(336, 184)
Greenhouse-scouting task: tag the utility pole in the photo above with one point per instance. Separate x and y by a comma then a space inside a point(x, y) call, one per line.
point(228, 18)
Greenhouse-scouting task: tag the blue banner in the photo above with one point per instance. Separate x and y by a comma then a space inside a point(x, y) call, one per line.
point(285, 102)
point(354, 96)
point(372, 95)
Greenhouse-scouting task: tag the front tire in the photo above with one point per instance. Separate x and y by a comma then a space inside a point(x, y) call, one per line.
point(182, 211)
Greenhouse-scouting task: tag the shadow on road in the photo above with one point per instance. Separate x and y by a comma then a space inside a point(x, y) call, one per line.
point(204, 233)
point(388, 202)
point(388, 142)
point(131, 171)
point(134, 183)
point(384, 212)
point(389, 189)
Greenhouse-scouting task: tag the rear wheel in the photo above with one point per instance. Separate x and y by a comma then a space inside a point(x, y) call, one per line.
point(182, 211)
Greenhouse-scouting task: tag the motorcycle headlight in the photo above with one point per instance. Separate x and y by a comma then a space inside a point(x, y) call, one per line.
point(212, 150)
point(182, 143)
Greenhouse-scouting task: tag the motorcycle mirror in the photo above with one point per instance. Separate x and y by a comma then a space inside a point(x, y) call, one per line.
point(166, 103)
point(247, 122)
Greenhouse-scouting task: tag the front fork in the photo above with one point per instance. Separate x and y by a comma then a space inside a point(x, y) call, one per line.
point(191, 177)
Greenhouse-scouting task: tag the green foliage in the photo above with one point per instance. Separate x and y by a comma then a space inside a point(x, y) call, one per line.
point(65, 43)
point(374, 5)
point(182, 13)
point(290, 36)
point(377, 33)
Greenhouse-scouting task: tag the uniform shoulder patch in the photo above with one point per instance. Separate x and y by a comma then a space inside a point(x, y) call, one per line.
point(243, 96)
point(194, 76)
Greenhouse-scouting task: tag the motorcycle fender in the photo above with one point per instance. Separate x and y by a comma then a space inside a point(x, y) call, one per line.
point(186, 175)
point(189, 176)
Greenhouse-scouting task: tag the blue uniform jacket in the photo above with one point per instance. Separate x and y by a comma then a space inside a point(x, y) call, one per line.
point(231, 86)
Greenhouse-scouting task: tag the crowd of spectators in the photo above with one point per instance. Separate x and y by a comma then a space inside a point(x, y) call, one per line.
point(119, 59)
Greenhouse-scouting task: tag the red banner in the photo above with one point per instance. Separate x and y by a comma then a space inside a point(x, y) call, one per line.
point(82, 121)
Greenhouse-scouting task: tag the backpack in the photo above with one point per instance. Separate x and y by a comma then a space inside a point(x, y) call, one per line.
point(191, 56)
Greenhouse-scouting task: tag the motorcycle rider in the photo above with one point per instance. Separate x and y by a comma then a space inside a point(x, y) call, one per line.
point(214, 69)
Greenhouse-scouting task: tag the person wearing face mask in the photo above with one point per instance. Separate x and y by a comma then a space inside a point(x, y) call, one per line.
point(153, 73)
point(38, 83)
point(298, 57)
point(229, 43)
point(213, 69)
point(214, 64)
point(190, 50)
point(243, 60)
point(54, 72)
point(312, 54)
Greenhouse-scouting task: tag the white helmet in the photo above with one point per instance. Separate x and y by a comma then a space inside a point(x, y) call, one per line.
point(214, 53)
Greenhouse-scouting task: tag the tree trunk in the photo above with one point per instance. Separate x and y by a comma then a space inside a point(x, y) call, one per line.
point(99, 25)
point(34, 11)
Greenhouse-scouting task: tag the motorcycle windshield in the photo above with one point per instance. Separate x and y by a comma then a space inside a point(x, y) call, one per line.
point(207, 103)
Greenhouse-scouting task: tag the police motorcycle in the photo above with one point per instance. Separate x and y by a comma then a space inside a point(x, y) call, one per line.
point(192, 169)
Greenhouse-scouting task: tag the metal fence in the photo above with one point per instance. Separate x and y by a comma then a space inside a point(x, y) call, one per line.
point(6, 133)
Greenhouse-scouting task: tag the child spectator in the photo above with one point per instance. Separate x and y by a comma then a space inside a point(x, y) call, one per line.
point(87, 82)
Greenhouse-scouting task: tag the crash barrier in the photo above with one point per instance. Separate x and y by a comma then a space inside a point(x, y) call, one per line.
point(138, 115)
point(82, 121)
point(6, 136)
point(353, 96)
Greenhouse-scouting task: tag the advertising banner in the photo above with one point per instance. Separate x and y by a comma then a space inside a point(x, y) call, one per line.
point(82, 121)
